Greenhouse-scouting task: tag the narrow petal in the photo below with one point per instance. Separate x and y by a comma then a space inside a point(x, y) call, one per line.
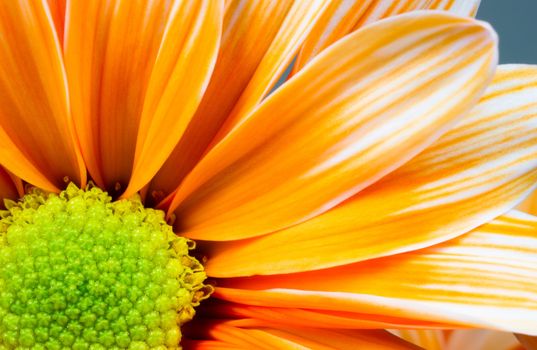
point(336, 22)
point(255, 316)
point(461, 339)
point(329, 138)
point(475, 172)
point(37, 141)
point(295, 29)
point(529, 205)
point(9, 187)
point(530, 343)
point(480, 339)
point(342, 339)
point(346, 16)
point(126, 62)
point(484, 279)
point(302, 338)
point(57, 11)
point(427, 339)
point(110, 48)
point(179, 78)
point(208, 345)
point(259, 40)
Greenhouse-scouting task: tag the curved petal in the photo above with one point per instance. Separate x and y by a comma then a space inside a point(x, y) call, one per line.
point(530, 343)
point(109, 49)
point(179, 78)
point(37, 141)
point(529, 204)
point(484, 279)
point(126, 61)
point(427, 339)
point(475, 172)
point(259, 40)
point(461, 339)
point(57, 10)
point(346, 16)
point(329, 138)
point(207, 345)
point(298, 338)
point(9, 187)
point(480, 339)
point(341, 339)
point(295, 29)
point(255, 316)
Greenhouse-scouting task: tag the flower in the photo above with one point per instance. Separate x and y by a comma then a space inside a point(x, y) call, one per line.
point(373, 190)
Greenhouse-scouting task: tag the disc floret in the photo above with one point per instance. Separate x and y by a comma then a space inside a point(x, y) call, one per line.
point(80, 271)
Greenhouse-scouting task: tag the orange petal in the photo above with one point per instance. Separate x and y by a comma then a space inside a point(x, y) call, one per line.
point(9, 186)
point(529, 205)
point(337, 21)
point(484, 279)
point(110, 49)
point(126, 61)
point(477, 171)
point(405, 79)
point(294, 30)
point(341, 339)
point(37, 140)
point(207, 345)
point(254, 316)
point(530, 343)
point(180, 76)
point(259, 41)
point(345, 16)
point(480, 339)
point(427, 339)
point(57, 10)
point(303, 338)
point(464, 339)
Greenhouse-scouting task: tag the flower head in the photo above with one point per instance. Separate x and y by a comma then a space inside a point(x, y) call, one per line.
point(371, 191)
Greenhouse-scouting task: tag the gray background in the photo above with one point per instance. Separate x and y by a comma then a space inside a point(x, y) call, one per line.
point(516, 24)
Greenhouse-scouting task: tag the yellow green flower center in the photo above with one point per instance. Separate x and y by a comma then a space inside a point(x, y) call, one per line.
point(79, 271)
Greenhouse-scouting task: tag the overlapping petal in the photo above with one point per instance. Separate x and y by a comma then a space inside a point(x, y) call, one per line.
point(259, 40)
point(57, 11)
point(530, 343)
point(359, 111)
point(484, 279)
point(460, 339)
point(529, 204)
point(256, 316)
point(136, 70)
point(222, 334)
point(426, 339)
point(475, 172)
point(319, 187)
point(480, 339)
point(178, 81)
point(37, 140)
point(345, 16)
point(10, 187)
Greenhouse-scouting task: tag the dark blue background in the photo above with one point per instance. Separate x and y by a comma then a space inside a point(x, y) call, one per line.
point(516, 24)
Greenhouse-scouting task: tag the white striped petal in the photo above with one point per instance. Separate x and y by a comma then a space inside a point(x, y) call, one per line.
point(359, 111)
point(477, 171)
point(345, 16)
point(484, 279)
point(259, 40)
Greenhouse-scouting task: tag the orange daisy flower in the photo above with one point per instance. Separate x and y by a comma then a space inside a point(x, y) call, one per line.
point(372, 190)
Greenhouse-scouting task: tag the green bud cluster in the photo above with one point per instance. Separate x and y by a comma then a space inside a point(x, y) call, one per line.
point(78, 271)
